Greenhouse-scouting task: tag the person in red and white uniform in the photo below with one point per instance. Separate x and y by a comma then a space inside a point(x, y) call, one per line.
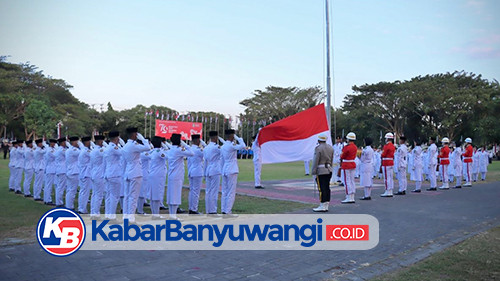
point(468, 161)
point(388, 164)
point(348, 166)
point(444, 161)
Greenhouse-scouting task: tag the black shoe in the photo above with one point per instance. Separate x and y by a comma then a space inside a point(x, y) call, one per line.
point(38, 199)
point(82, 213)
point(431, 189)
point(49, 203)
point(341, 184)
point(193, 212)
point(59, 206)
point(458, 186)
point(28, 195)
point(416, 191)
point(339, 181)
point(180, 211)
point(400, 193)
point(11, 190)
point(163, 208)
point(366, 198)
point(259, 187)
point(121, 211)
point(18, 192)
point(146, 204)
point(306, 175)
point(482, 180)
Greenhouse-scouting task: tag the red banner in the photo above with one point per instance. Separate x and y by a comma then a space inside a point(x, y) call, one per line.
point(166, 128)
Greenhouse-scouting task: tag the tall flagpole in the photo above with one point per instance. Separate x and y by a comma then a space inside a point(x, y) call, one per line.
point(328, 89)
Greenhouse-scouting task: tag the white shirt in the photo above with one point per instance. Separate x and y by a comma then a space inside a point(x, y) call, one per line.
point(29, 159)
point(432, 154)
point(38, 157)
point(418, 161)
point(402, 156)
point(98, 167)
point(113, 161)
point(175, 158)
point(367, 159)
point(72, 154)
point(212, 157)
point(60, 160)
point(84, 163)
point(195, 162)
point(50, 158)
point(256, 151)
point(132, 155)
point(337, 150)
point(229, 152)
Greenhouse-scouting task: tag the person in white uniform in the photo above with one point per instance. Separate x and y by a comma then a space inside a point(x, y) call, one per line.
point(257, 162)
point(72, 171)
point(175, 157)
point(113, 174)
point(475, 164)
point(212, 166)
point(418, 165)
point(457, 164)
point(98, 169)
point(84, 177)
point(145, 188)
point(402, 156)
point(136, 144)
point(12, 166)
point(432, 153)
point(50, 172)
point(29, 169)
point(337, 150)
point(483, 163)
point(195, 172)
point(157, 175)
point(367, 164)
point(61, 180)
point(230, 170)
point(39, 167)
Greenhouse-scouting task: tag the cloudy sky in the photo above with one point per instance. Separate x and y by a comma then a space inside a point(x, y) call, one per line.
point(209, 55)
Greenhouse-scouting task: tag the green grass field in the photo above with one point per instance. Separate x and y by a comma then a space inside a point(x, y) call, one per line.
point(20, 215)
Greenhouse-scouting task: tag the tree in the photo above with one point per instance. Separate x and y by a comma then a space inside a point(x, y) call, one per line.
point(40, 119)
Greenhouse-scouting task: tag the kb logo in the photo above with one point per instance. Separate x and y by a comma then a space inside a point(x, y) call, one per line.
point(61, 232)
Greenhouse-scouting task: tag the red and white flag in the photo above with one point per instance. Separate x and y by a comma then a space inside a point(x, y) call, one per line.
point(295, 137)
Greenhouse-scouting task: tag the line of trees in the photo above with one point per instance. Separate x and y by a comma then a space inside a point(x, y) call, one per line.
point(455, 105)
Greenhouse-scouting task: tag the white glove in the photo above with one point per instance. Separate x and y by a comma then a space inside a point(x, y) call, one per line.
point(236, 136)
point(221, 140)
point(104, 144)
point(92, 144)
point(80, 145)
point(204, 144)
point(45, 144)
point(183, 144)
point(68, 145)
point(168, 145)
point(56, 146)
point(151, 146)
point(139, 136)
point(121, 141)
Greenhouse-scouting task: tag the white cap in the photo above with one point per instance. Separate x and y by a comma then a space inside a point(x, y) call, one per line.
point(389, 136)
point(468, 140)
point(351, 136)
point(445, 140)
point(322, 137)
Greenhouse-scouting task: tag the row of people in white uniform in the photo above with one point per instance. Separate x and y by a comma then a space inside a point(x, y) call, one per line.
point(128, 173)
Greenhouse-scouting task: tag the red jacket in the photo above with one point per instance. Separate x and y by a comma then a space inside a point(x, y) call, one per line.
point(348, 155)
point(388, 154)
point(468, 154)
point(444, 155)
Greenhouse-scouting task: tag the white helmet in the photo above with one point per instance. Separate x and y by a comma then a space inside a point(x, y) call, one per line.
point(322, 137)
point(351, 136)
point(389, 136)
point(468, 140)
point(445, 140)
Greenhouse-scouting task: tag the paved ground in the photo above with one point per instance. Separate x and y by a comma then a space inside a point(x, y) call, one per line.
point(411, 228)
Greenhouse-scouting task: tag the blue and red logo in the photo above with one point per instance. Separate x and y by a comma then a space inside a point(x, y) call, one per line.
point(61, 232)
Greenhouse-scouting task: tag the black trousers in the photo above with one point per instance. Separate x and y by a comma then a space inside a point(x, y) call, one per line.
point(323, 182)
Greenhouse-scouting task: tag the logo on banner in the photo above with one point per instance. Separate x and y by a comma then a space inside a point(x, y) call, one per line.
point(60, 232)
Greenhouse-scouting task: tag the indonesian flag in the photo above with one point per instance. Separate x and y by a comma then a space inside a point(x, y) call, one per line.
point(294, 138)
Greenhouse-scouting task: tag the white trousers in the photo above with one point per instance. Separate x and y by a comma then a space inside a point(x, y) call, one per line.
point(113, 186)
point(174, 191)
point(12, 178)
point(350, 186)
point(132, 191)
point(257, 170)
point(212, 193)
point(432, 175)
point(366, 179)
point(145, 188)
point(335, 172)
point(28, 177)
point(38, 184)
point(18, 178)
point(306, 167)
point(71, 188)
point(97, 195)
point(444, 174)
point(83, 195)
point(388, 172)
point(47, 188)
point(402, 181)
point(194, 192)
point(60, 188)
point(228, 192)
